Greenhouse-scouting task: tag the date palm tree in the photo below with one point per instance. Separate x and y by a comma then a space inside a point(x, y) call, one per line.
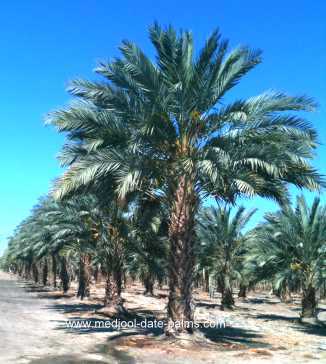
point(222, 241)
point(163, 129)
point(291, 247)
point(148, 243)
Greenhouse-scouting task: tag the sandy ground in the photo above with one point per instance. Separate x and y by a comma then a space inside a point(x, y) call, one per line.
point(29, 329)
point(33, 329)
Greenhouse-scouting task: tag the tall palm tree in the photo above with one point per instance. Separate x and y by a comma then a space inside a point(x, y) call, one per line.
point(164, 129)
point(291, 247)
point(222, 241)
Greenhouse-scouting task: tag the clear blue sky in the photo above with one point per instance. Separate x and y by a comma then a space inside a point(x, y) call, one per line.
point(46, 43)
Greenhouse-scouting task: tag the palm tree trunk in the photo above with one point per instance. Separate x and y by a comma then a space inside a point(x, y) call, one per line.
point(54, 270)
point(113, 290)
point(242, 291)
point(64, 276)
point(84, 276)
point(149, 285)
point(220, 284)
point(27, 270)
point(181, 259)
point(96, 274)
point(227, 295)
point(112, 300)
point(45, 272)
point(20, 270)
point(35, 272)
point(206, 280)
point(309, 302)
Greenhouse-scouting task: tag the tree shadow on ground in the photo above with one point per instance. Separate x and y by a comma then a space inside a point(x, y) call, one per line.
point(233, 335)
point(75, 308)
point(144, 322)
point(131, 323)
point(311, 329)
point(208, 304)
point(67, 359)
point(55, 295)
point(272, 317)
point(37, 290)
point(34, 287)
point(257, 301)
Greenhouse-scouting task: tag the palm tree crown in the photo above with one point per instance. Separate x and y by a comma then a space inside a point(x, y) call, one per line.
point(149, 123)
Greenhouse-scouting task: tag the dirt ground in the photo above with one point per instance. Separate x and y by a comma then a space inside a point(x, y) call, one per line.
point(33, 329)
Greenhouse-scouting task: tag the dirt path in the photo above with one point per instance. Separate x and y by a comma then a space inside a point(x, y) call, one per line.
point(29, 330)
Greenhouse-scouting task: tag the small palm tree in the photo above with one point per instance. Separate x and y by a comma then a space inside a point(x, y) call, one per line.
point(148, 244)
point(291, 247)
point(222, 242)
point(163, 129)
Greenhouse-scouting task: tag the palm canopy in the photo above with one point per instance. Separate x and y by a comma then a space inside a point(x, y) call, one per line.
point(290, 248)
point(151, 122)
point(148, 242)
point(223, 243)
point(292, 243)
point(54, 225)
point(222, 237)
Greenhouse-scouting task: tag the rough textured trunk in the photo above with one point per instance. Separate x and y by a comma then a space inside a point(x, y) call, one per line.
point(181, 259)
point(206, 280)
point(96, 274)
point(113, 301)
point(54, 270)
point(227, 295)
point(84, 276)
point(242, 291)
point(220, 284)
point(27, 270)
point(113, 289)
point(149, 285)
point(20, 271)
point(64, 276)
point(35, 273)
point(45, 272)
point(309, 302)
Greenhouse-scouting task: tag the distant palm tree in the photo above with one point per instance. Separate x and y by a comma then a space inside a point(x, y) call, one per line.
point(222, 241)
point(148, 244)
point(291, 247)
point(164, 129)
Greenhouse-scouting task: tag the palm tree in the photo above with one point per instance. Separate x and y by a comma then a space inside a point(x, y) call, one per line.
point(114, 251)
point(222, 242)
point(291, 247)
point(163, 129)
point(77, 232)
point(148, 248)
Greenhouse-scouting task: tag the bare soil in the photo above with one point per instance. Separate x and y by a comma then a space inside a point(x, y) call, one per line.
point(260, 329)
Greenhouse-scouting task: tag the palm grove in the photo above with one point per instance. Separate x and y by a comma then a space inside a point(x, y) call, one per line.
point(146, 147)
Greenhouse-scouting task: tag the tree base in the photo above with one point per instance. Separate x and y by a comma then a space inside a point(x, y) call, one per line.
point(311, 321)
point(148, 294)
point(184, 338)
point(113, 311)
point(227, 307)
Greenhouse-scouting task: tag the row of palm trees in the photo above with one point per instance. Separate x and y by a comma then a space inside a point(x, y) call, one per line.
point(155, 139)
point(76, 239)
